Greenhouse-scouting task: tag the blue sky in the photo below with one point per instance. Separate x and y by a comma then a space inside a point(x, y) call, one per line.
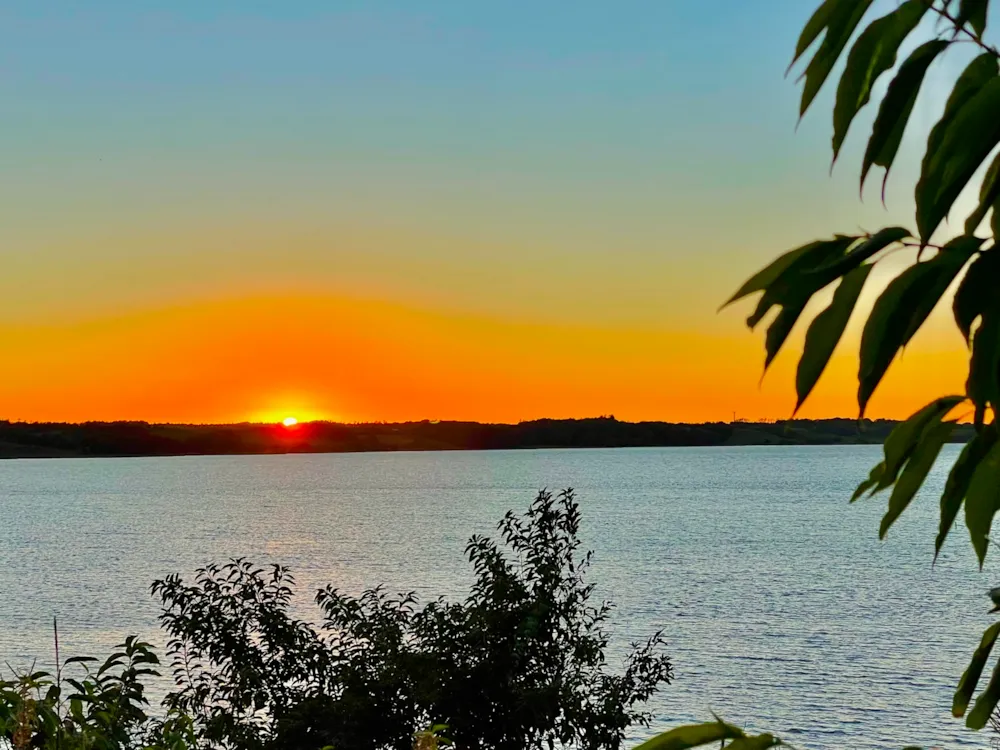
point(542, 130)
point(618, 166)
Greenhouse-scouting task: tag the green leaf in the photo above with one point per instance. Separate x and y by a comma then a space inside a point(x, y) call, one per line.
point(982, 385)
point(977, 292)
point(768, 275)
point(872, 481)
point(903, 307)
point(973, 12)
point(815, 26)
point(79, 660)
point(981, 501)
point(989, 193)
point(778, 278)
point(863, 251)
point(781, 326)
point(977, 297)
point(692, 735)
point(995, 220)
point(903, 440)
point(969, 137)
point(986, 702)
point(841, 23)
point(918, 465)
point(958, 481)
point(895, 109)
point(760, 742)
point(976, 75)
point(826, 330)
point(970, 678)
point(873, 54)
point(800, 281)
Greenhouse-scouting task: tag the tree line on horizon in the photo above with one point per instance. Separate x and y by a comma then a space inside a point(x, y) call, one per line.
point(25, 440)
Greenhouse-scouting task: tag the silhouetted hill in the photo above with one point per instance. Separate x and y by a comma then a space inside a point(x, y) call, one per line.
point(55, 440)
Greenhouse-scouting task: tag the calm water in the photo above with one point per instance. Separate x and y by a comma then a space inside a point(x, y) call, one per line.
point(782, 609)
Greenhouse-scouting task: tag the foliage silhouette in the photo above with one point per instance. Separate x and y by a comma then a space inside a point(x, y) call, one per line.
point(519, 664)
point(101, 709)
point(962, 143)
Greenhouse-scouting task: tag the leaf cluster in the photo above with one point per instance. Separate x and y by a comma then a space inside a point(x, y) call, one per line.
point(104, 707)
point(962, 145)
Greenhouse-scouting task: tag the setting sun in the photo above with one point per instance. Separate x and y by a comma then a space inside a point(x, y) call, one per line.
point(289, 421)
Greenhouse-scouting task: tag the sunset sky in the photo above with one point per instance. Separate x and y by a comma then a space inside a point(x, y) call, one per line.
point(242, 210)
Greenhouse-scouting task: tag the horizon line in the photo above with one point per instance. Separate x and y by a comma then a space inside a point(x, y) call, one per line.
point(361, 423)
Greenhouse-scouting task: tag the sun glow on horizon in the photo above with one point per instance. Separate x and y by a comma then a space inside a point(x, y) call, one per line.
point(293, 408)
point(212, 362)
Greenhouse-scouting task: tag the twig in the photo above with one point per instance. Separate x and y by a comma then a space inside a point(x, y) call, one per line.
point(961, 29)
point(921, 247)
point(59, 703)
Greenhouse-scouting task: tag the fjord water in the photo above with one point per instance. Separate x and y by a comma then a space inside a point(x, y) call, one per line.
point(782, 609)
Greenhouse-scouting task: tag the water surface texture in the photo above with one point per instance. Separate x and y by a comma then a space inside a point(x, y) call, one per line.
point(782, 609)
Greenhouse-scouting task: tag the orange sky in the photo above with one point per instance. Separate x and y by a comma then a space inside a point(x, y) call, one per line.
point(264, 358)
point(422, 211)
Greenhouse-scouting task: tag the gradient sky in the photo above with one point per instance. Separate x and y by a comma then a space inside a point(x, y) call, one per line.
point(398, 210)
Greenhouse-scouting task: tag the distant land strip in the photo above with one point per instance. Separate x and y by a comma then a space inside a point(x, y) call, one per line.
point(94, 439)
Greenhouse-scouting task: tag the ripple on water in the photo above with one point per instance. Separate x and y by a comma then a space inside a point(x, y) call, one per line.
point(782, 610)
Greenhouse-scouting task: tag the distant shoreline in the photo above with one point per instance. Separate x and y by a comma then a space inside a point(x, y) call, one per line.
point(139, 439)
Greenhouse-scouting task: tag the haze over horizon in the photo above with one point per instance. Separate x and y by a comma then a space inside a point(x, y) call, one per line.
point(248, 211)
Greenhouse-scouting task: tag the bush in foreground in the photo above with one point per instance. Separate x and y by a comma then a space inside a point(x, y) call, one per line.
point(520, 663)
point(100, 708)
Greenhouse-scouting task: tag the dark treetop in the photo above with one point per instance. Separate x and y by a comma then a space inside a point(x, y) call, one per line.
point(53, 440)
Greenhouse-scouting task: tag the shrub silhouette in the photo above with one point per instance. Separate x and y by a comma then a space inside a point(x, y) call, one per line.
point(518, 664)
point(90, 706)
